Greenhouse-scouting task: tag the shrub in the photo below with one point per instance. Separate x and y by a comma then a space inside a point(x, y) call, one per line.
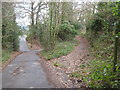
point(101, 69)
point(77, 25)
point(67, 31)
point(10, 34)
point(102, 76)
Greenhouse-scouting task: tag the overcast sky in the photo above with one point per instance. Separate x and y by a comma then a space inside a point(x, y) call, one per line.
point(23, 18)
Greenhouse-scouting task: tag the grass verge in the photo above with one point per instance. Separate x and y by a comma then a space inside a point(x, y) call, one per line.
point(61, 49)
point(5, 55)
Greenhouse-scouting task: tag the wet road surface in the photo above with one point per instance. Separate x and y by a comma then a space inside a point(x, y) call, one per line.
point(25, 71)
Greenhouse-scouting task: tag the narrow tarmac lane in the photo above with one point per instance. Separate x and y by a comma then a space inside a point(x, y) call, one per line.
point(25, 71)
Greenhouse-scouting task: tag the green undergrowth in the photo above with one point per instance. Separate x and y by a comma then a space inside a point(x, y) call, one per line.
point(5, 55)
point(61, 49)
point(101, 75)
point(76, 74)
point(101, 68)
point(98, 73)
point(57, 64)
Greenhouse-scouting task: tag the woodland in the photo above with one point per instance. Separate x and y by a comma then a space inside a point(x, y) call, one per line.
point(55, 26)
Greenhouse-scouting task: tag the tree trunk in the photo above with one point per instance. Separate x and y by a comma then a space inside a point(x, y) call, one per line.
point(116, 40)
point(32, 14)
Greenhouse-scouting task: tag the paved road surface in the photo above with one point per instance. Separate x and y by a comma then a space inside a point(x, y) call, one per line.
point(22, 44)
point(25, 71)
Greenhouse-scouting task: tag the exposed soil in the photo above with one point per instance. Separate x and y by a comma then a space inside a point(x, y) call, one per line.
point(34, 45)
point(59, 75)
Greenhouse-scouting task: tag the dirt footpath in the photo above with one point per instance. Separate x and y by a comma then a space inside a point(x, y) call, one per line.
point(59, 69)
